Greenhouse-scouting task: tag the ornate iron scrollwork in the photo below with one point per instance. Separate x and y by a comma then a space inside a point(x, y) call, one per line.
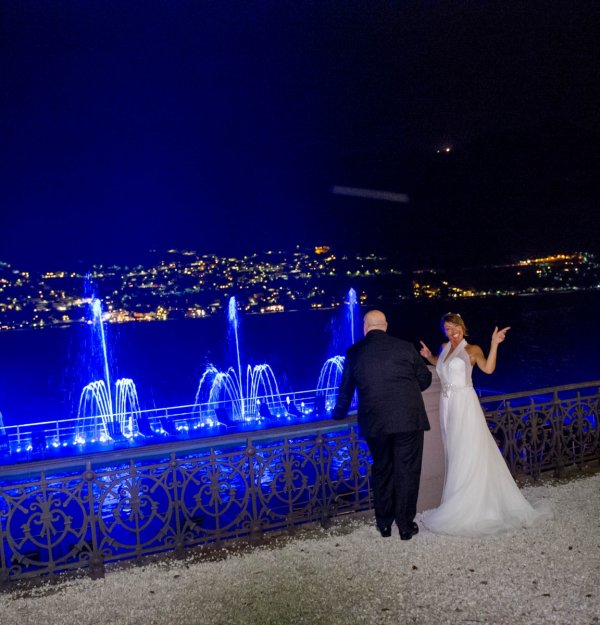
point(83, 518)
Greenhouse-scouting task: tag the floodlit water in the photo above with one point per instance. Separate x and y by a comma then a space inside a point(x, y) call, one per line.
point(553, 341)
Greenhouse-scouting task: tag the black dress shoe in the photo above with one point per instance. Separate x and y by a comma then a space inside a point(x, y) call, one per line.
point(414, 529)
point(386, 531)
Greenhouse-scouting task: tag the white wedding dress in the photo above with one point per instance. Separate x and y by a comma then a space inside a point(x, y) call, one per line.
point(480, 496)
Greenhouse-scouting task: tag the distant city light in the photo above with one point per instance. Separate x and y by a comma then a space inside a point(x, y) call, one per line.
point(195, 287)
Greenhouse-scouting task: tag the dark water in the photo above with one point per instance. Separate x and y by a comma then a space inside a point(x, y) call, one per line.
point(553, 341)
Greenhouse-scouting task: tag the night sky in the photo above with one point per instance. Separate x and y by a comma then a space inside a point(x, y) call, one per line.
point(223, 127)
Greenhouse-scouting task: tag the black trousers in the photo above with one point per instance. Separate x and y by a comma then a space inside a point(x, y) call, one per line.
point(395, 474)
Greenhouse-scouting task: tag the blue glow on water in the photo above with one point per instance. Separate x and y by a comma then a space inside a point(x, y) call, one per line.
point(109, 415)
point(552, 342)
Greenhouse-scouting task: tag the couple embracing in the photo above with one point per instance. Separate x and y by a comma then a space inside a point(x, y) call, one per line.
point(480, 497)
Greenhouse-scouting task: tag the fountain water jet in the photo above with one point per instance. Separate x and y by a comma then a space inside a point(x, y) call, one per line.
point(329, 381)
point(259, 397)
point(232, 314)
point(331, 371)
point(100, 417)
point(352, 310)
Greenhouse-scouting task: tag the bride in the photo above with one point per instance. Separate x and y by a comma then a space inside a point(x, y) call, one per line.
point(480, 496)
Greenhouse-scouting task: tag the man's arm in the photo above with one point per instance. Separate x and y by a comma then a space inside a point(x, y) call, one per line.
point(422, 372)
point(345, 392)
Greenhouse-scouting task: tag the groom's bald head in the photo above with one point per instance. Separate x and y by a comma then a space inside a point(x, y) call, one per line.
point(374, 320)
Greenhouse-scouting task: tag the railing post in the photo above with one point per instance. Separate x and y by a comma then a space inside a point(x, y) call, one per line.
point(4, 568)
point(578, 442)
point(597, 419)
point(510, 443)
point(324, 468)
point(559, 428)
point(255, 528)
point(534, 461)
point(176, 508)
point(96, 560)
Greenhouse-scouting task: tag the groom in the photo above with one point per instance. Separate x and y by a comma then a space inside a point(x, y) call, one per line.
point(389, 376)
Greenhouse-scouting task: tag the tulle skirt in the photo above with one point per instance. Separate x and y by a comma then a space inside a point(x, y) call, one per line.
point(480, 496)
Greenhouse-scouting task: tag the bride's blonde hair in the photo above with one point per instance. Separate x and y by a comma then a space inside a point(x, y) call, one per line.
point(455, 319)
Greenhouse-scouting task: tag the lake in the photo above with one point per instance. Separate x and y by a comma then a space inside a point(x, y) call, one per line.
point(552, 341)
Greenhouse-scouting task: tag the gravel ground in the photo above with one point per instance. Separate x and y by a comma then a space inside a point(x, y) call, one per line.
point(349, 575)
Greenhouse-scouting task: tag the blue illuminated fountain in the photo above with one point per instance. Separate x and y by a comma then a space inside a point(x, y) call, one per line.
point(109, 412)
point(229, 396)
point(103, 415)
point(329, 381)
point(352, 313)
point(4, 447)
point(331, 371)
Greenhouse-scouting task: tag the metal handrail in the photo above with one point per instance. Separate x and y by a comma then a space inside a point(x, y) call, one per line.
point(540, 391)
point(27, 442)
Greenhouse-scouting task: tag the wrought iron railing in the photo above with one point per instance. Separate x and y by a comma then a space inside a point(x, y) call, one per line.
point(546, 429)
point(63, 514)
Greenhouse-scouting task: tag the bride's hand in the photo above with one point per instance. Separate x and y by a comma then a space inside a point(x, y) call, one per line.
point(499, 335)
point(425, 351)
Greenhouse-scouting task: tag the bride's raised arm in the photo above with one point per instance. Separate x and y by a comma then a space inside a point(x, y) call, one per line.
point(488, 365)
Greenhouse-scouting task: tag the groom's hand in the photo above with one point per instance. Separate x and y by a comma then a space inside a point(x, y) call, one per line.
point(337, 415)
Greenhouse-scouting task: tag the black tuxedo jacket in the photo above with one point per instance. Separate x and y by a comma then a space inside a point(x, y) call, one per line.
point(389, 376)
